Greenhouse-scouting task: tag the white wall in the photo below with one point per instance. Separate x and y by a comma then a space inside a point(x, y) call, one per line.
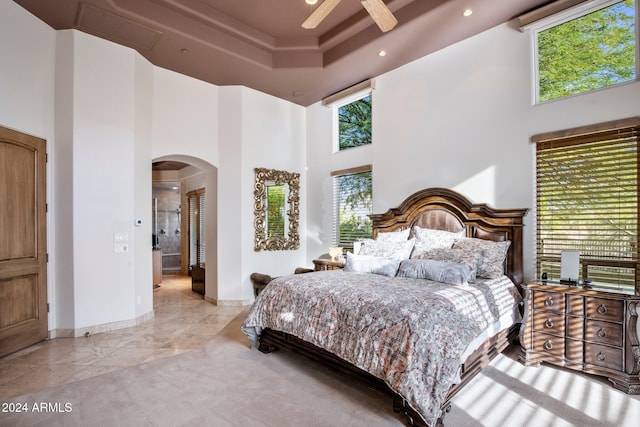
point(185, 128)
point(104, 181)
point(256, 130)
point(28, 61)
point(460, 118)
point(60, 175)
point(142, 192)
point(185, 117)
point(273, 138)
point(27, 78)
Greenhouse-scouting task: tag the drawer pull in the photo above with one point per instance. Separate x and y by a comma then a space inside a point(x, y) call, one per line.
point(548, 324)
point(548, 302)
point(601, 356)
point(548, 345)
point(602, 333)
point(602, 309)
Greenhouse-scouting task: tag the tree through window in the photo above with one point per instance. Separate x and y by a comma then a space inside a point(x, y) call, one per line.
point(354, 123)
point(588, 52)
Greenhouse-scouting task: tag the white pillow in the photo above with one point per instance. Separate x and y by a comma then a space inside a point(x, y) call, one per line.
point(428, 238)
point(395, 236)
point(371, 264)
point(388, 249)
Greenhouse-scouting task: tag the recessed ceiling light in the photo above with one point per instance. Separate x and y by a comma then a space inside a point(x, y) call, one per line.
point(467, 12)
point(311, 1)
point(382, 53)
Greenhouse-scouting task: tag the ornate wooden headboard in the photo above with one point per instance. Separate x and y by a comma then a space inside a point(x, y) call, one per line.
point(444, 209)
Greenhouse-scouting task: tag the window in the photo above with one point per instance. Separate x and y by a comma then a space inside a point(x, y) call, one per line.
point(196, 202)
point(354, 123)
point(352, 205)
point(593, 46)
point(587, 201)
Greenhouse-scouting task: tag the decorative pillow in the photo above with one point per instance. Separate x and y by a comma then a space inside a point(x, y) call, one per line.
point(493, 255)
point(371, 264)
point(388, 249)
point(440, 271)
point(472, 258)
point(432, 239)
point(395, 236)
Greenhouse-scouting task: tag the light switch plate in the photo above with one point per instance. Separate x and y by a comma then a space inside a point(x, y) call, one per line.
point(120, 248)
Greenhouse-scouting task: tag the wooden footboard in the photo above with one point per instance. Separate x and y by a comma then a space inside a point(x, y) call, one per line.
point(271, 340)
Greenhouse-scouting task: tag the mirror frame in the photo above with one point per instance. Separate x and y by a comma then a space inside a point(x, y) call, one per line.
point(292, 239)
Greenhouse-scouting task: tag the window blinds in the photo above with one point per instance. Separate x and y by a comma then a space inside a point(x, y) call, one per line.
point(201, 229)
point(587, 201)
point(352, 199)
point(197, 249)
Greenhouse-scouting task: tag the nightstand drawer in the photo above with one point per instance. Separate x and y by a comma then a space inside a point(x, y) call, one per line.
point(550, 301)
point(548, 322)
point(605, 309)
point(548, 344)
point(601, 332)
point(602, 355)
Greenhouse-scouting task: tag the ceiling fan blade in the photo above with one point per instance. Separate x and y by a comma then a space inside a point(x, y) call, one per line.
point(320, 13)
point(380, 14)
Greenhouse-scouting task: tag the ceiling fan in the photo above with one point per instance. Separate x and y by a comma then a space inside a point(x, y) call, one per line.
point(376, 8)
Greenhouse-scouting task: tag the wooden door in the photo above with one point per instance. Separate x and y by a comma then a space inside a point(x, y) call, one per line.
point(23, 244)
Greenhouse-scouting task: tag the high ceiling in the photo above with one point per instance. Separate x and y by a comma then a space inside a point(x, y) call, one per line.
point(261, 44)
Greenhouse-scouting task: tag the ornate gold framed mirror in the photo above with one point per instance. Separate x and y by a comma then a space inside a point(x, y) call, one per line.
point(277, 210)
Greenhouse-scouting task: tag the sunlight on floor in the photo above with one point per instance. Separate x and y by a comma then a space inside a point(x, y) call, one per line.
point(555, 397)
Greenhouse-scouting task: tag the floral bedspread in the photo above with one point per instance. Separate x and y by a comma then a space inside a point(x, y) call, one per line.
point(411, 333)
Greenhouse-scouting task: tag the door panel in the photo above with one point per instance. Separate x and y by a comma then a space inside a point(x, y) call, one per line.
point(23, 263)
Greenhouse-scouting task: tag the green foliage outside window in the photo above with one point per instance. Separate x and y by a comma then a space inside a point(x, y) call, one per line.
point(354, 204)
point(354, 121)
point(275, 211)
point(590, 52)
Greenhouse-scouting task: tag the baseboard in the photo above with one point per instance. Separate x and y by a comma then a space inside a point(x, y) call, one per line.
point(96, 329)
point(227, 302)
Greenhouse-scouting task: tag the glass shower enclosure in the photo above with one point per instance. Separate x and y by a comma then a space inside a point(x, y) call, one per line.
point(167, 225)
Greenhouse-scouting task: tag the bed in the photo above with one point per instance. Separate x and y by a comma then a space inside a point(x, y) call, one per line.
point(416, 324)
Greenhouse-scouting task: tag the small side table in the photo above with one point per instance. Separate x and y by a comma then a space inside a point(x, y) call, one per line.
point(327, 264)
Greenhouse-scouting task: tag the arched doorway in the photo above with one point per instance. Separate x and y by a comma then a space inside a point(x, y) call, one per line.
point(190, 175)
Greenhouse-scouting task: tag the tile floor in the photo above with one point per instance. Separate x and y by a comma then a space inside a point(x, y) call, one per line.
point(183, 321)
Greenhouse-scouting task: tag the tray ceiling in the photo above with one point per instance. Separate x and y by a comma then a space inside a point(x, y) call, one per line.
point(261, 44)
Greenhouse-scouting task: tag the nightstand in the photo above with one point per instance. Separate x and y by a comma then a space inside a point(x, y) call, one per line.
point(327, 264)
point(590, 330)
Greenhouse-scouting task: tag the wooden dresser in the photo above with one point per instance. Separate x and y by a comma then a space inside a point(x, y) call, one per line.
point(327, 264)
point(590, 330)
